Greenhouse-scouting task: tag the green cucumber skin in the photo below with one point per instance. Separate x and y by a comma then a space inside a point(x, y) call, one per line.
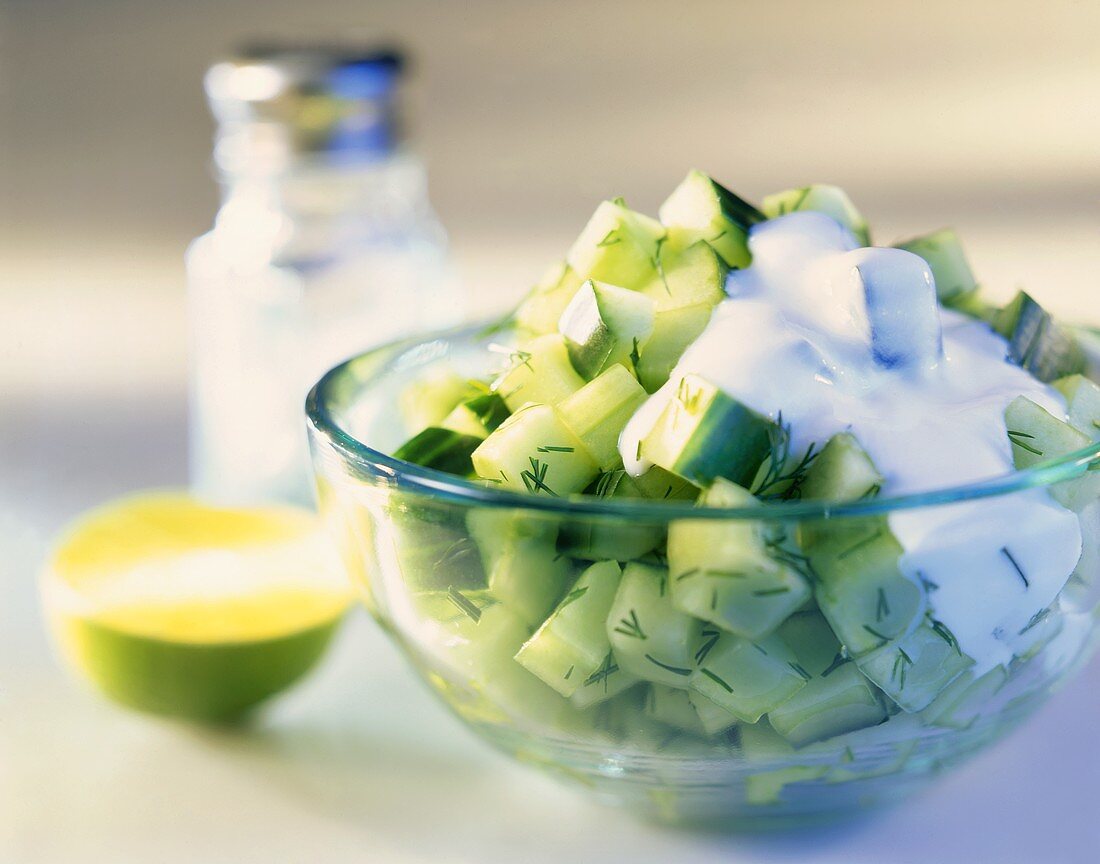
point(1036, 342)
point(740, 454)
point(441, 449)
point(702, 433)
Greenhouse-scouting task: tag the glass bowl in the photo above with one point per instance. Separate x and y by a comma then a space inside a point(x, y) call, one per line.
point(460, 576)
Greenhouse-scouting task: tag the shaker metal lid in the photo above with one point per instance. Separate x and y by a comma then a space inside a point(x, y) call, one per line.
point(333, 98)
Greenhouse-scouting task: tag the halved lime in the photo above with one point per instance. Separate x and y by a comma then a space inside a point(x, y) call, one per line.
point(175, 607)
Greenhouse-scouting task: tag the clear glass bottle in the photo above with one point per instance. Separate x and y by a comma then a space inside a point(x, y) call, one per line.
point(325, 243)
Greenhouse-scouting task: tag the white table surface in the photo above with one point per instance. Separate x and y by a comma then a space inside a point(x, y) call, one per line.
point(359, 763)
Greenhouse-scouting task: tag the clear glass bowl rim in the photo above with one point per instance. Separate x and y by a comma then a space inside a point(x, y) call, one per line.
point(325, 400)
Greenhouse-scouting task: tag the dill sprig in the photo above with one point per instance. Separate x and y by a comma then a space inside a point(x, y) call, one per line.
point(600, 676)
point(608, 482)
point(710, 639)
point(630, 626)
point(838, 660)
point(1017, 438)
point(882, 638)
point(780, 482)
point(860, 544)
point(882, 607)
point(798, 670)
point(535, 479)
point(464, 604)
point(675, 670)
point(575, 594)
point(941, 630)
point(1016, 566)
point(901, 663)
point(717, 679)
point(550, 448)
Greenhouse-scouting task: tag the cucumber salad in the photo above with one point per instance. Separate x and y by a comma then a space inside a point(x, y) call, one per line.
point(738, 356)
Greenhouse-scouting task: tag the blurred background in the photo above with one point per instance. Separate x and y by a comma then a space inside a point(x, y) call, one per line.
point(984, 116)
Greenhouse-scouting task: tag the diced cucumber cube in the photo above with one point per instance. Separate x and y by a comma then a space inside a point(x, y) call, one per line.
point(863, 595)
point(477, 416)
point(604, 325)
point(1082, 403)
point(901, 305)
point(821, 198)
point(618, 246)
point(688, 277)
point(837, 699)
point(524, 570)
point(714, 717)
point(674, 708)
point(1038, 436)
point(594, 539)
point(947, 260)
point(1036, 342)
point(597, 413)
point(662, 485)
point(605, 683)
point(703, 433)
point(430, 398)
point(842, 471)
point(651, 639)
point(432, 548)
point(701, 209)
point(482, 651)
point(441, 449)
point(916, 668)
point(541, 310)
point(673, 331)
point(541, 373)
point(721, 570)
point(963, 701)
point(749, 679)
point(534, 451)
point(766, 788)
point(572, 643)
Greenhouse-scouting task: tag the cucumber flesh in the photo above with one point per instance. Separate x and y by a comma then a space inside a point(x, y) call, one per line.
point(1038, 436)
point(702, 209)
point(426, 401)
point(722, 572)
point(842, 471)
point(821, 198)
point(570, 646)
point(748, 679)
point(651, 639)
point(837, 699)
point(541, 372)
point(1082, 403)
point(541, 309)
point(947, 260)
point(604, 325)
point(916, 668)
point(523, 568)
point(597, 413)
point(861, 591)
point(673, 331)
point(687, 277)
point(703, 433)
point(674, 708)
point(618, 246)
point(534, 451)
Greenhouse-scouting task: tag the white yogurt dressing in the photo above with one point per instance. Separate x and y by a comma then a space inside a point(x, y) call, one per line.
point(843, 338)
